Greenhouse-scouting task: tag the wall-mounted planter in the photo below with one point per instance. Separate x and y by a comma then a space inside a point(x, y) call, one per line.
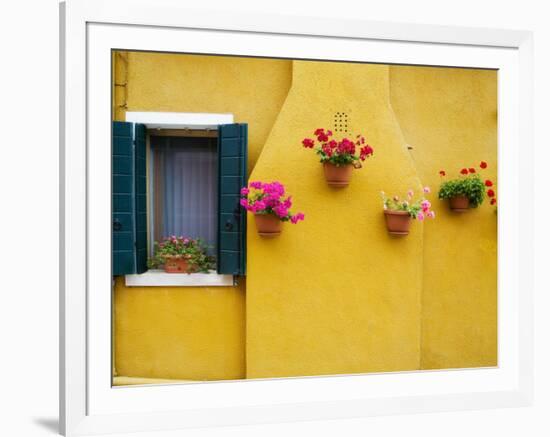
point(268, 225)
point(177, 264)
point(459, 204)
point(398, 222)
point(337, 176)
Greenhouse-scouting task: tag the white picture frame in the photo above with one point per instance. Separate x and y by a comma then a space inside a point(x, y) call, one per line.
point(88, 403)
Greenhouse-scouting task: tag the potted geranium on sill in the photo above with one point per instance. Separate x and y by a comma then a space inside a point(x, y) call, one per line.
point(468, 190)
point(338, 157)
point(270, 207)
point(399, 213)
point(182, 255)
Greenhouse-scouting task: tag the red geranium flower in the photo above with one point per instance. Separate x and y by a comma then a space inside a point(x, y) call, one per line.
point(464, 171)
point(365, 152)
point(327, 150)
point(472, 170)
point(483, 164)
point(319, 131)
point(490, 193)
point(442, 173)
point(308, 143)
point(488, 183)
point(493, 201)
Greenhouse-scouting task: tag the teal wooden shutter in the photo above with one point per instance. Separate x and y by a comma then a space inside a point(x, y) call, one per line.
point(129, 213)
point(232, 175)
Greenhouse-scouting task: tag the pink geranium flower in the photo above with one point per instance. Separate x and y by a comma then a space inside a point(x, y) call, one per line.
point(269, 198)
point(296, 218)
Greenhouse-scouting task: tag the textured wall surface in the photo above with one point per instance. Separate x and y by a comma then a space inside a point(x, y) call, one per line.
point(191, 332)
point(253, 90)
point(185, 333)
point(449, 116)
point(333, 294)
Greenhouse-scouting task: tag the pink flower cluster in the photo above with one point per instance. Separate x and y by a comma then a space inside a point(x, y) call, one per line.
point(425, 205)
point(331, 150)
point(172, 239)
point(268, 198)
point(426, 211)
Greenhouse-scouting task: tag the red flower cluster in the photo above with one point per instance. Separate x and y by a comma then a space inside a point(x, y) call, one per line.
point(366, 152)
point(471, 170)
point(321, 135)
point(338, 152)
point(465, 170)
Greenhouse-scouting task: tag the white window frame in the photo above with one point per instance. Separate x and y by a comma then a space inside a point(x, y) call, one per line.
point(178, 120)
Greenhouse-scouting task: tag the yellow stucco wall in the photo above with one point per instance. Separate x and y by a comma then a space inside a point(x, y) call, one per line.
point(449, 116)
point(191, 332)
point(251, 89)
point(333, 294)
point(187, 333)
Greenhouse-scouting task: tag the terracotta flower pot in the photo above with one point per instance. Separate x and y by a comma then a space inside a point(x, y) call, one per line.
point(177, 264)
point(397, 222)
point(268, 225)
point(337, 176)
point(459, 203)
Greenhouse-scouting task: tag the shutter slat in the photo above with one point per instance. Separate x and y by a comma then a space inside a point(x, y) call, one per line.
point(232, 175)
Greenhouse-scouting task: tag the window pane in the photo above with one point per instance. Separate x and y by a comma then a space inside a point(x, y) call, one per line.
point(185, 188)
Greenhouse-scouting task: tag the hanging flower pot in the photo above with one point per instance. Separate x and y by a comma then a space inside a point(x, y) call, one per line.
point(399, 213)
point(468, 190)
point(459, 203)
point(338, 157)
point(337, 175)
point(269, 206)
point(398, 222)
point(268, 225)
point(177, 264)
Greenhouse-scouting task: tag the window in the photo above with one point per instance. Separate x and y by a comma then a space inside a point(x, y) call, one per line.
point(192, 188)
point(183, 187)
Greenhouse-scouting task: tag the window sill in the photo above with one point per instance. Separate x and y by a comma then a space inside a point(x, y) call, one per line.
point(159, 278)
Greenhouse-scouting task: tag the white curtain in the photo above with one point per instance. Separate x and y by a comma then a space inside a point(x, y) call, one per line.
point(185, 187)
